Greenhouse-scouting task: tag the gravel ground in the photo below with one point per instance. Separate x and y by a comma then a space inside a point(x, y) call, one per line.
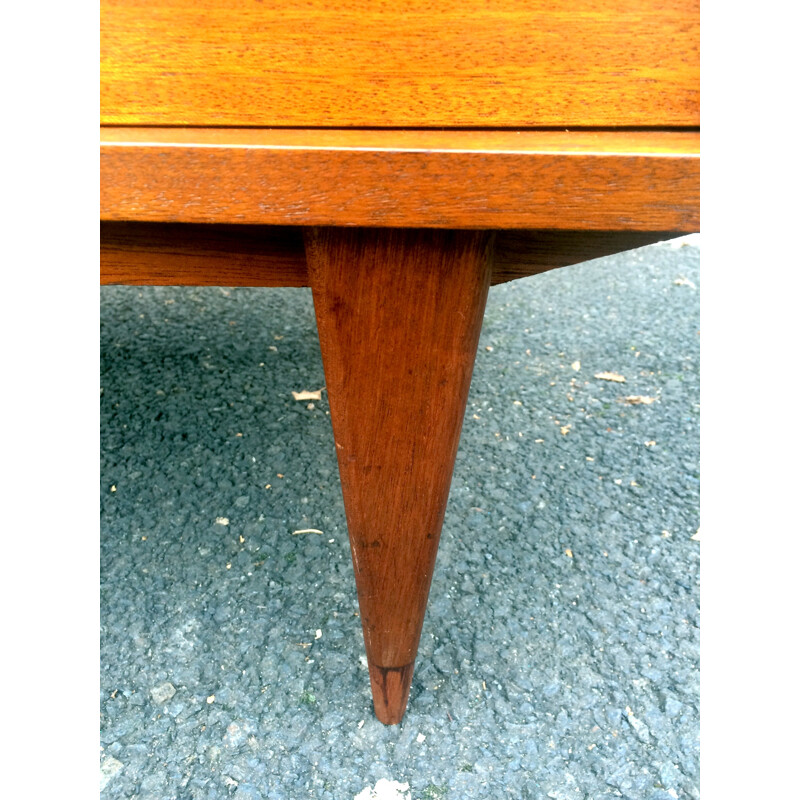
point(560, 653)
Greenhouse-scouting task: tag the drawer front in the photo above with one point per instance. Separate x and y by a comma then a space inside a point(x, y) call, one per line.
point(368, 63)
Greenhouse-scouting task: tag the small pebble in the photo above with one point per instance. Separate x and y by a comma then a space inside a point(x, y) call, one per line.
point(108, 769)
point(162, 693)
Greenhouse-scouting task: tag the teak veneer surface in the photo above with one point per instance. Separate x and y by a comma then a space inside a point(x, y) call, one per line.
point(419, 63)
point(605, 180)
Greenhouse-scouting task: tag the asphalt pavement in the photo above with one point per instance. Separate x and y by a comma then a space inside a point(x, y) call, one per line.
point(560, 652)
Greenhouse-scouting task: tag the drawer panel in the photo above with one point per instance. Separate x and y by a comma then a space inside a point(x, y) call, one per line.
point(366, 63)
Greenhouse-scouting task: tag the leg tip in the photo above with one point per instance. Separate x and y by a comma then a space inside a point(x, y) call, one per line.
point(390, 688)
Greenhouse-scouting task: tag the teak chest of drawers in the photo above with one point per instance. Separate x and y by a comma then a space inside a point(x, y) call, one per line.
point(398, 158)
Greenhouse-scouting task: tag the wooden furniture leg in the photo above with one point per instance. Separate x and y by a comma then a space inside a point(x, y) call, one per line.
point(399, 313)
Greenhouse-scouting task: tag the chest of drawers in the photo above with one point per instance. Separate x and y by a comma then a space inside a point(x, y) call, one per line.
point(399, 158)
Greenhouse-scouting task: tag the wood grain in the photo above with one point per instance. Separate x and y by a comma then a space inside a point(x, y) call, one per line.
point(183, 254)
point(399, 314)
point(166, 254)
point(633, 180)
point(518, 254)
point(418, 63)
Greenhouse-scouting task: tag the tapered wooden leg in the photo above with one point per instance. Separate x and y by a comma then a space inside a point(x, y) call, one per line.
point(399, 313)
